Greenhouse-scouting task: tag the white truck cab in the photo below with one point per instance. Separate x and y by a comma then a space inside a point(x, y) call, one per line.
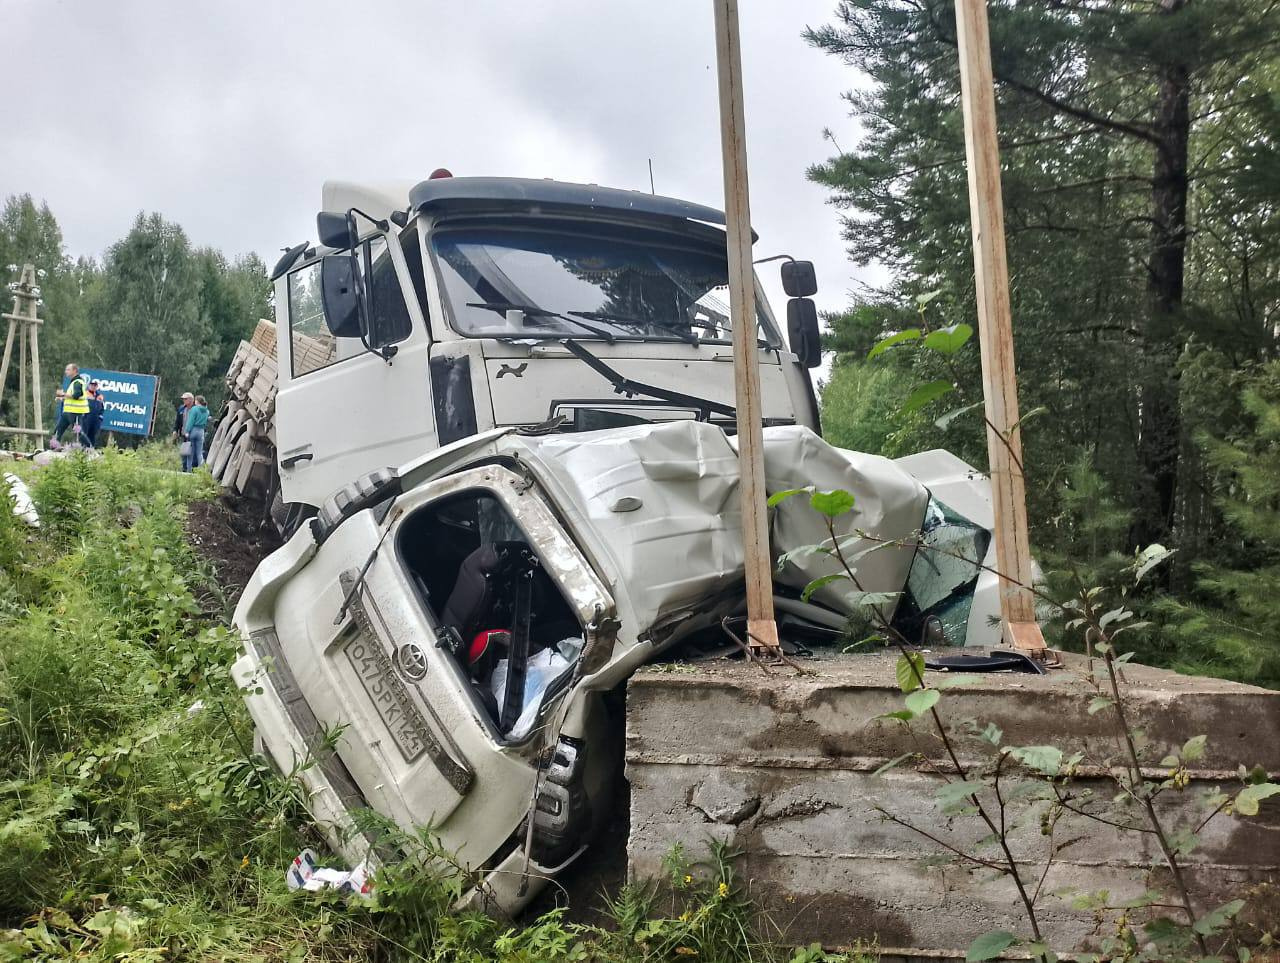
point(434, 312)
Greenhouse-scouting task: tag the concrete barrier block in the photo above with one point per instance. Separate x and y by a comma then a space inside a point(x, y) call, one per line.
point(783, 768)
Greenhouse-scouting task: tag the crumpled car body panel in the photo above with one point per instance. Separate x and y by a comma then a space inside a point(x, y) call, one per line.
point(637, 528)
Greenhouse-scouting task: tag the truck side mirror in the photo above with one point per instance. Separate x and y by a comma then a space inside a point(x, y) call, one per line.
point(802, 331)
point(334, 230)
point(798, 279)
point(340, 295)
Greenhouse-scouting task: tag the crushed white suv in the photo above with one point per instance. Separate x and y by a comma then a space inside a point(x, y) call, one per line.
point(461, 619)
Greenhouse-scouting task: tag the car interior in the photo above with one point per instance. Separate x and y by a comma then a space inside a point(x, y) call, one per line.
point(507, 625)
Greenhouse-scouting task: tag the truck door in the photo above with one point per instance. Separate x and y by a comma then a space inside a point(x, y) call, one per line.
point(341, 409)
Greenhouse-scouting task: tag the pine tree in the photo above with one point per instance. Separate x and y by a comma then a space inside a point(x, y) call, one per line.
point(1133, 132)
point(1229, 626)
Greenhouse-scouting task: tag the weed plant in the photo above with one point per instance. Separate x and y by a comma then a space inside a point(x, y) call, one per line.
point(137, 824)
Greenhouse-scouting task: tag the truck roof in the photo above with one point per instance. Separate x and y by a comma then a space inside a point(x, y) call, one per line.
point(460, 192)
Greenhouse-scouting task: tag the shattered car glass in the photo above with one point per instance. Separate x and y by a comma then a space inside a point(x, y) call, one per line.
point(943, 574)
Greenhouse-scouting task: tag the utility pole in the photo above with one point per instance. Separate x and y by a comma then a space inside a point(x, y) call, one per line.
point(26, 326)
point(762, 630)
point(995, 330)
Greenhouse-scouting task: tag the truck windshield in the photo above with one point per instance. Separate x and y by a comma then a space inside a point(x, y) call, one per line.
point(621, 287)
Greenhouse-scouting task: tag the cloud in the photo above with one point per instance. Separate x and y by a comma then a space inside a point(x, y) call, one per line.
point(227, 116)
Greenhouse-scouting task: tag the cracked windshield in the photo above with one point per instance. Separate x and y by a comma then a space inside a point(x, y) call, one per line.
point(540, 284)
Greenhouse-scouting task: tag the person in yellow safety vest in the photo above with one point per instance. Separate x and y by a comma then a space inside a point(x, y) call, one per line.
point(75, 404)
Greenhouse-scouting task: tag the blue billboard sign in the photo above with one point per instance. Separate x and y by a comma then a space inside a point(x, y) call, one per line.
point(128, 399)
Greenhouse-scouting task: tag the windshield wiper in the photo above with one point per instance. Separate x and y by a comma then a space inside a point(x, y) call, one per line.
point(533, 311)
point(625, 386)
point(608, 317)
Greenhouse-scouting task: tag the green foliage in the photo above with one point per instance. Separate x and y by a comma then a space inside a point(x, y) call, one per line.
point(1131, 331)
point(990, 945)
point(233, 296)
point(30, 234)
point(136, 822)
point(147, 313)
point(1224, 625)
point(860, 407)
point(155, 304)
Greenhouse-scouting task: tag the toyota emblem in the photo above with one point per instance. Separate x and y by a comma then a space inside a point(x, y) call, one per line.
point(412, 660)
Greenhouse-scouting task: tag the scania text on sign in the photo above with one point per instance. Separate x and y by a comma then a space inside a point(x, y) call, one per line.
point(128, 399)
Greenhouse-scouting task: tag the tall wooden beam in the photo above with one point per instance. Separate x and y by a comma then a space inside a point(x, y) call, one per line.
point(995, 329)
point(24, 324)
point(762, 629)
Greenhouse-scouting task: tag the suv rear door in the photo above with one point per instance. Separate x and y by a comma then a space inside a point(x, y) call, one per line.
point(416, 741)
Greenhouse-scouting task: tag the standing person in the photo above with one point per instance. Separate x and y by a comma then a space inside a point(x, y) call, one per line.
point(91, 423)
point(185, 404)
point(180, 414)
point(193, 431)
point(75, 404)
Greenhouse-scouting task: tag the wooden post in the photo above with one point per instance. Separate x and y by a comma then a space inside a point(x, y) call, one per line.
point(22, 375)
point(24, 323)
point(995, 329)
point(761, 627)
point(8, 353)
point(34, 328)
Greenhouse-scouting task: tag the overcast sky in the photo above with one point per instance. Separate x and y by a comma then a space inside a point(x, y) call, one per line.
point(227, 116)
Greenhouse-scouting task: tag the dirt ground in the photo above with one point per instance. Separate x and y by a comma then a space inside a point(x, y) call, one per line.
point(230, 533)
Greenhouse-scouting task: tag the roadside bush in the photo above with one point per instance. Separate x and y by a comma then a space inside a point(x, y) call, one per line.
point(136, 822)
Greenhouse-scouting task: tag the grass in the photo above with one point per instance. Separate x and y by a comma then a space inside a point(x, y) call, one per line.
point(137, 825)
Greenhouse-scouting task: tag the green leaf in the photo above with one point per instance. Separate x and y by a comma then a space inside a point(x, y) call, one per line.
point(1129, 628)
point(902, 715)
point(819, 582)
point(1163, 930)
point(1215, 919)
point(1045, 759)
point(1040, 952)
point(856, 599)
point(930, 391)
point(990, 945)
point(1193, 748)
point(804, 551)
point(1248, 798)
point(952, 794)
point(922, 700)
point(945, 421)
point(1098, 703)
point(910, 670)
point(893, 763)
point(1149, 558)
point(900, 337)
point(948, 340)
point(832, 503)
point(992, 734)
point(1115, 615)
point(778, 497)
point(1035, 412)
point(927, 296)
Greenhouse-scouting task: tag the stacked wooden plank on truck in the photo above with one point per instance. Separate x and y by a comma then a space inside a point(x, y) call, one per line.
point(242, 451)
point(264, 338)
point(312, 353)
